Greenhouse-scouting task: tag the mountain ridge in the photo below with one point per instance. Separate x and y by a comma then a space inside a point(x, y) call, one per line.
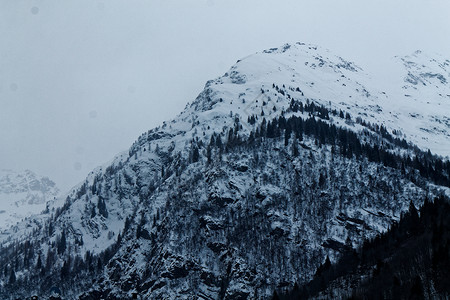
point(223, 200)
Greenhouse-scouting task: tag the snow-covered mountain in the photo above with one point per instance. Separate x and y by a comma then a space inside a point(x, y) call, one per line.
point(292, 155)
point(23, 194)
point(412, 95)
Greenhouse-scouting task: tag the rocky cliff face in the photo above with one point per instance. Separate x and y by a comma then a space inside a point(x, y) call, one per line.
point(292, 155)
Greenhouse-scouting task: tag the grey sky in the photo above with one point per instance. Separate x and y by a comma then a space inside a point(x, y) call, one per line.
point(81, 80)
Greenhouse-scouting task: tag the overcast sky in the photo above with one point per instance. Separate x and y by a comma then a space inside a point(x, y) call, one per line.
point(81, 80)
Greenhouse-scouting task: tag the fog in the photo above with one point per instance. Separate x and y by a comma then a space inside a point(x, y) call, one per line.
point(81, 80)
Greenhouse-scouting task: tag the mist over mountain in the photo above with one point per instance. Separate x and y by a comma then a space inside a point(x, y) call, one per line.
point(294, 155)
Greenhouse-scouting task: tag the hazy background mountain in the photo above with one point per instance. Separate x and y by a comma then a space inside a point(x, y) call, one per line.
point(23, 194)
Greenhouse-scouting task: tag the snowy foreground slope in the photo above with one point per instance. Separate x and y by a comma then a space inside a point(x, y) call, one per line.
point(23, 194)
point(292, 155)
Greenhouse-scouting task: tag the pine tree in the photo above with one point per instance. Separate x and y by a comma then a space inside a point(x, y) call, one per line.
point(62, 243)
point(39, 262)
point(12, 277)
point(195, 155)
point(101, 205)
point(287, 136)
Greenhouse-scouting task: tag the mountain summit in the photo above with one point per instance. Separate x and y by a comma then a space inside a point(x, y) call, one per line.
point(412, 96)
point(294, 155)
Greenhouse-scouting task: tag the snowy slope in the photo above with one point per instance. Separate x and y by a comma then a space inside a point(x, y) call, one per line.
point(23, 194)
point(412, 95)
point(417, 112)
point(176, 217)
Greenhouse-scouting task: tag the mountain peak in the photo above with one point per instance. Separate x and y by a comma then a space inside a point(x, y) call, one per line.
point(411, 97)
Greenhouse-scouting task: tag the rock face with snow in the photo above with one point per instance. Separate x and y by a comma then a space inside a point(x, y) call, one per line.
point(23, 194)
point(293, 155)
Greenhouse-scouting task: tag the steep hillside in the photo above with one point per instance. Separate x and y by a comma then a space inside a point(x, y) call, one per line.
point(382, 268)
point(291, 156)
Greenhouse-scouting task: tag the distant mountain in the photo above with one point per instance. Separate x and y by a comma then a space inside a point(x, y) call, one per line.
point(23, 194)
point(293, 155)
